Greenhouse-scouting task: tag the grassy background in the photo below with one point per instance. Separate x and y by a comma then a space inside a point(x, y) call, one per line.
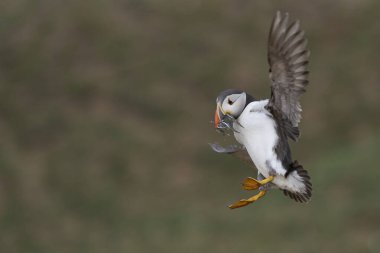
point(104, 123)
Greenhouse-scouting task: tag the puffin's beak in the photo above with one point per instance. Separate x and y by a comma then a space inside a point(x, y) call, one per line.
point(218, 116)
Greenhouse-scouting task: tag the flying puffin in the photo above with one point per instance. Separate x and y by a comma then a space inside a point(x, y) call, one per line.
point(263, 127)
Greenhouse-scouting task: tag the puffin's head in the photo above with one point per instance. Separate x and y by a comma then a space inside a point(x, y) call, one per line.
point(230, 103)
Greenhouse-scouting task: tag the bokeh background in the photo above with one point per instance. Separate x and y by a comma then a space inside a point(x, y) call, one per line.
point(105, 110)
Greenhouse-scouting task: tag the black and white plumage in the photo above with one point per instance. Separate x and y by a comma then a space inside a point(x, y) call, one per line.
point(263, 127)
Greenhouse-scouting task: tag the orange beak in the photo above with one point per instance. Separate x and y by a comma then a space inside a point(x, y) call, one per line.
point(217, 117)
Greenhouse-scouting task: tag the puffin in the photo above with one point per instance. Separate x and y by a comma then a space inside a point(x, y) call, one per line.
point(263, 127)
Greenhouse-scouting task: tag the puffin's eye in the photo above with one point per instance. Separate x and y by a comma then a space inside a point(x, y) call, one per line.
point(229, 101)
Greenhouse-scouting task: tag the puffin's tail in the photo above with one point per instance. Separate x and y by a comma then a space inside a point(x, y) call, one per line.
point(298, 172)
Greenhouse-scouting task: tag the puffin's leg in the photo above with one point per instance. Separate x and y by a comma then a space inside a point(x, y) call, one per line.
point(244, 202)
point(268, 186)
point(253, 184)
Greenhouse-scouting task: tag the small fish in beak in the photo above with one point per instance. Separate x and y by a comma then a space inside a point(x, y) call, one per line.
point(224, 123)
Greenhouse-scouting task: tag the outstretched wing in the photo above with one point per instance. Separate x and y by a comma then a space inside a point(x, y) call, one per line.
point(288, 59)
point(238, 151)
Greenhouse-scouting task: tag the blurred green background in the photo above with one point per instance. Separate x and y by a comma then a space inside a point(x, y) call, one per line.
point(105, 113)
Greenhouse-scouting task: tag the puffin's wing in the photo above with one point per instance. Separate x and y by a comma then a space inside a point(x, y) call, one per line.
point(225, 150)
point(288, 59)
point(238, 151)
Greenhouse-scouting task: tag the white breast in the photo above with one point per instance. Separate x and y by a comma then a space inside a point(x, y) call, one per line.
point(258, 134)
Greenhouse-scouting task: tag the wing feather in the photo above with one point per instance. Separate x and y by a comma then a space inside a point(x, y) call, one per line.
point(288, 59)
point(239, 152)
